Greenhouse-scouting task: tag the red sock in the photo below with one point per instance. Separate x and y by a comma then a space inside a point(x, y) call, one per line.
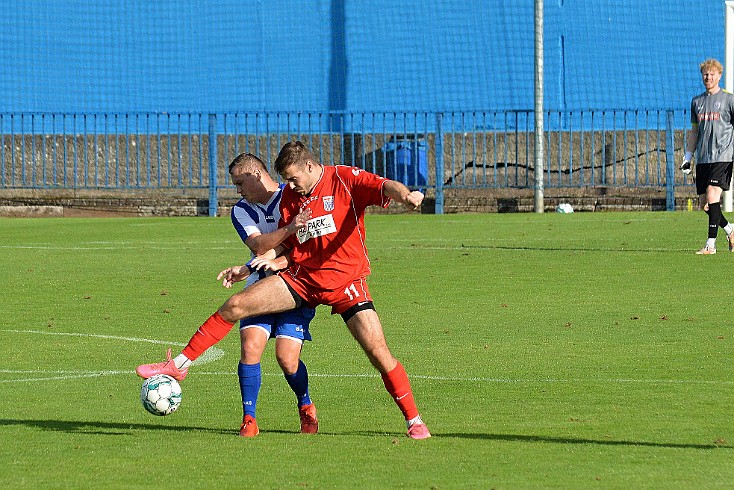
point(397, 384)
point(212, 331)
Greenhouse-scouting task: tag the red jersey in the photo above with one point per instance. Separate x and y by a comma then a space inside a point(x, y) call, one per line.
point(330, 252)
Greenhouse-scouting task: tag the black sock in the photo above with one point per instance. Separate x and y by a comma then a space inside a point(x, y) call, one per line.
point(715, 218)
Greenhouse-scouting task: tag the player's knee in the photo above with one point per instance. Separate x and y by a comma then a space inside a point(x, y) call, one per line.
point(233, 309)
point(288, 363)
point(251, 354)
point(250, 346)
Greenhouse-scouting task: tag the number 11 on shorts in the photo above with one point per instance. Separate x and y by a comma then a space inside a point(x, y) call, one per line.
point(352, 292)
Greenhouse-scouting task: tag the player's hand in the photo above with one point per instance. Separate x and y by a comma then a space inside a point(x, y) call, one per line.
point(234, 274)
point(414, 200)
point(299, 221)
point(685, 167)
point(263, 263)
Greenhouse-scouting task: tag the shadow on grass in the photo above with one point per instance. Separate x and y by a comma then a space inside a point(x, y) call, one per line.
point(573, 440)
point(106, 428)
point(118, 428)
point(540, 248)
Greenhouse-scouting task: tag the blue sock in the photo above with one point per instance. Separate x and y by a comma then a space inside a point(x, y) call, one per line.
point(250, 381)
point(298, 382)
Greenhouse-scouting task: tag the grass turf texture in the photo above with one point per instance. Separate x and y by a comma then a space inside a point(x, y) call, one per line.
point(546, 351)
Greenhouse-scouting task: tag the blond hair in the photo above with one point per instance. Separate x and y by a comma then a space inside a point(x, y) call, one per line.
point(711, 64)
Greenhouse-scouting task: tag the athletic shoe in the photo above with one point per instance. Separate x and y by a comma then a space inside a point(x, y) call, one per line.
point(166, 367)
point(309, 422)
point(249, 427)
point(706, 251)
point(418, 431)
point(731, 242)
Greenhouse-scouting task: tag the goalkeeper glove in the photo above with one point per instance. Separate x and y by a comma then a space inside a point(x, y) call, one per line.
point(686, 165)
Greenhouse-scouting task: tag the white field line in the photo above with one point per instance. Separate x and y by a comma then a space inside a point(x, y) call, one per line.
point(500, 380)
point(57, 375)
point(107, 247)
point(98, 336)
point(54, 375)
point(214, 353)
point(211, 354)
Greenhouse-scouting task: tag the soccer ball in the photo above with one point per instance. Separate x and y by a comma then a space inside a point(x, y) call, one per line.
point(161, 394)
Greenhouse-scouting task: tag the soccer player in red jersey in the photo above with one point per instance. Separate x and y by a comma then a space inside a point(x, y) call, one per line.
point(324, 208)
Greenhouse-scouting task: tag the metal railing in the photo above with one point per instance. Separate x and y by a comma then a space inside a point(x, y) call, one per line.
point(431, 151)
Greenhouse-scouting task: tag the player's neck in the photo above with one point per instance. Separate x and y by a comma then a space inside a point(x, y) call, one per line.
point(318, 179)
point(266, 196)
point(715, 90)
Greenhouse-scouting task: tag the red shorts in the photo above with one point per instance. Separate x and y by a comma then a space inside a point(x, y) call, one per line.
point(340, 301)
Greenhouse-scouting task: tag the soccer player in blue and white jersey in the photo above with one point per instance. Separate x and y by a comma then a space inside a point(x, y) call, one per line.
point(254, 216)
point(322, 224)
point(711, 138)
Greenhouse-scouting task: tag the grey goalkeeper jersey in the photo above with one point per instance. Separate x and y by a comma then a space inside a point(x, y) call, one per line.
point(714, 115)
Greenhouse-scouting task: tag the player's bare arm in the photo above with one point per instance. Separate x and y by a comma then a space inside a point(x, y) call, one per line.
point(267, 264)
point(398, 192)
point(261, 243)
point(232, 275)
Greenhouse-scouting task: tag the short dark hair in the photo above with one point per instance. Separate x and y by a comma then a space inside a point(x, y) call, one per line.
point(245, 159)
point(293, 153)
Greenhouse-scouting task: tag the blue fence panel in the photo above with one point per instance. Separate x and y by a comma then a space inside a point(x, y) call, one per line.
point(426, 150)
point(102, 151)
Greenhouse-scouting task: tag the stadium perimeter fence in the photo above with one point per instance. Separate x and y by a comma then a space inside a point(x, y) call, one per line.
point(425, 150)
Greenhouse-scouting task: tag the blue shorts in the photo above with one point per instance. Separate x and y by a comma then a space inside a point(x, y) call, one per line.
point(292, 324)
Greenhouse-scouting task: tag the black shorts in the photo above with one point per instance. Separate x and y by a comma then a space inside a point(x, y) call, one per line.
point(717, 174)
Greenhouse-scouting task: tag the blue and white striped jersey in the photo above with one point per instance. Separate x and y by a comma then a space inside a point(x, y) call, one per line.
point(249, 218)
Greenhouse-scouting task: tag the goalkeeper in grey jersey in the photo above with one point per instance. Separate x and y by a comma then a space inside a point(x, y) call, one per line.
point(710, 138)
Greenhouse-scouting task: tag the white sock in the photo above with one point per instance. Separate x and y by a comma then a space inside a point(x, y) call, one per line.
point(711, 243)
point(416, 420)
point(728, 229)
point(181, 361)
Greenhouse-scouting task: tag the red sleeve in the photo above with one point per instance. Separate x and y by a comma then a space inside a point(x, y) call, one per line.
point(365, 187)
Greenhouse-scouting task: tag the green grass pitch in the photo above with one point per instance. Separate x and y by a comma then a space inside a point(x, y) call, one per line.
point(545, 351)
